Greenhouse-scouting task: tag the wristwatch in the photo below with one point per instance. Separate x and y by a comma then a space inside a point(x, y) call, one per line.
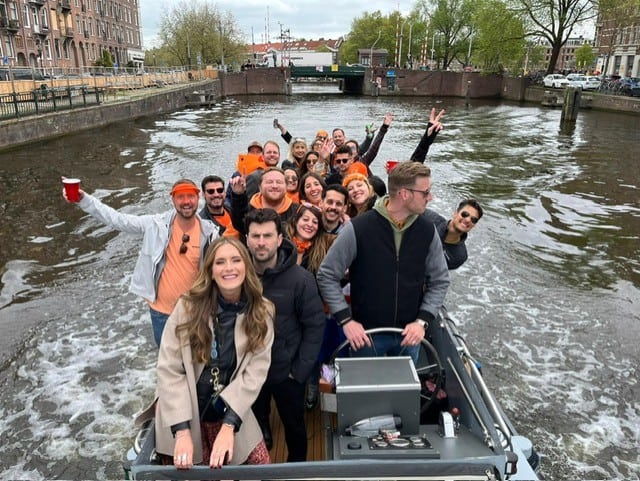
point(422, 323)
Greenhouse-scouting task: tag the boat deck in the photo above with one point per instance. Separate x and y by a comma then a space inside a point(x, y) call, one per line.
point(315, 436)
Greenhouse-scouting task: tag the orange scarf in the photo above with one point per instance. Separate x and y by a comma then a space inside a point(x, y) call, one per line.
point(302, 246)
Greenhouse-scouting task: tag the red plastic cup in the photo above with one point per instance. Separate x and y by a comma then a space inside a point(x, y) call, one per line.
point(72, 189)
point(390, 165)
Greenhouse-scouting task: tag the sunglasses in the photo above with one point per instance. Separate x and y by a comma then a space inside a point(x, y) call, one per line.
point(425, 193)
point(342, 161)
point(184, 246)
point(464, 214)
point(299, 139)
point(291, 178)
point(219, 190)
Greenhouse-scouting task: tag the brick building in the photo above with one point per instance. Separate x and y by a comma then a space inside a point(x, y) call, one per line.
point(618, 46)
point(52, 34)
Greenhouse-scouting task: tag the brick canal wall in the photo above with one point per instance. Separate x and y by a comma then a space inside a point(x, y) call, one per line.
point(273, 81)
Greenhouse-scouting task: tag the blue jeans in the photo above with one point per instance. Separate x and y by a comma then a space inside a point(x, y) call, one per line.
point(158, 320)
point(388, 345)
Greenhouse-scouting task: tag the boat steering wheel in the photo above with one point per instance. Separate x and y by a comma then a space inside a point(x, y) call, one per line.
point(431, 371)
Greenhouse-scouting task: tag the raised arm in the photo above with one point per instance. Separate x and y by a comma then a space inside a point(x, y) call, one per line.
point(433, 127)
point(372, 152)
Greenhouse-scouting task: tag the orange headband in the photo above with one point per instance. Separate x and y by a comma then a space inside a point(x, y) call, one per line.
point(184, 188)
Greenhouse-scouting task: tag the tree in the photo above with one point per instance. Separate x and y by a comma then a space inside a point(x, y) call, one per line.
point(498, 45)
point(105, 60)
point(553, 20)
point(196, 31)
point(585, 58)
point(364, 33)
point(450, 25)
point(392, 29)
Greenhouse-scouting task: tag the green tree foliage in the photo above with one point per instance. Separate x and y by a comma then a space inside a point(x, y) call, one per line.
point(105, 60)
point(553, 20)
point(196, 29)
point(364, 33)
point(498, 45)
point(585, 57)
point(450, 28)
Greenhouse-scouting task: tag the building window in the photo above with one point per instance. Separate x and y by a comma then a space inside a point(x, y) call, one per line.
point(13, 10)
point(8, 47)
point(44, 19)
point(47, 49)
point(56, 46)
point(25, 16)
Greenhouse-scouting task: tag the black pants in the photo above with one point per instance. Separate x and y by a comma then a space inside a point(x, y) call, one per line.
point(289, 398)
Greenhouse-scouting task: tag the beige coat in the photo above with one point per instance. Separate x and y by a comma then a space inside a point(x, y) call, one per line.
point(176, 393)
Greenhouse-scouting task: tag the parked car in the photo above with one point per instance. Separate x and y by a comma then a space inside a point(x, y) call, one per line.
point(630, 86)
point(592, 83)
point(555, 80)
point(23, 73)
point(577, 80)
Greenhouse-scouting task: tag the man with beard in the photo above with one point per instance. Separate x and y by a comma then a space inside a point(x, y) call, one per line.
point(453, 233)
point(334, 203)
point(271, 157)
point(214, 208)
point(397, 270)
point(272, 195)
point(173, 246)
point(299, 325)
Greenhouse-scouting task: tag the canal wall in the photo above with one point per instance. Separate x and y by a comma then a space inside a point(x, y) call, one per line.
point(275, 81)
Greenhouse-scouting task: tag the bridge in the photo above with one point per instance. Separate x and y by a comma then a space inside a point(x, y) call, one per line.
point(352, 78)
point(334, 71)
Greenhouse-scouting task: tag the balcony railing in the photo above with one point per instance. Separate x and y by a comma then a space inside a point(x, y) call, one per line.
point(38, 2)
point(10, 25)
point(65, 5)
point(67, 32)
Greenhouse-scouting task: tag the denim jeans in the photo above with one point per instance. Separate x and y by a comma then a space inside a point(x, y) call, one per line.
point(388, 345)
point(158, 320)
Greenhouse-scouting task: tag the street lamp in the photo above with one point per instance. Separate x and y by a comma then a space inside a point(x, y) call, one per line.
point(371, 53)
point(409, 55)
point(399, 59)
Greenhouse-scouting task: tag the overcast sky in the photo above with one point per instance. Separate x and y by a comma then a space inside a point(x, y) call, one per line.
point(309, 19)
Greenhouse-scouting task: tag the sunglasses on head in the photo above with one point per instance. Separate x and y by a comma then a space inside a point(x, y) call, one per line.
point(342, 161)
point(309, 205)
point(184, 246)
point(464, 214)
point(219, 190)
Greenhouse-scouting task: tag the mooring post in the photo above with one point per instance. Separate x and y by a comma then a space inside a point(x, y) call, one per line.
point(468, 94)
point(571, 104)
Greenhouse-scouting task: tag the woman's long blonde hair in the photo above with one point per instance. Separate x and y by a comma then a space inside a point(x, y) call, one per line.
point(201, 302)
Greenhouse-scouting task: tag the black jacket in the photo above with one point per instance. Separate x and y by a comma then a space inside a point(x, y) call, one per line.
point(300, 319)
point(454, 254)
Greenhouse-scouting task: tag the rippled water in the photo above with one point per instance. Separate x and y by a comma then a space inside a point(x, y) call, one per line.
point(549, 300)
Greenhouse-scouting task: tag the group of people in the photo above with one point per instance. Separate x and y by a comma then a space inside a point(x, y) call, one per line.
point(247, 295)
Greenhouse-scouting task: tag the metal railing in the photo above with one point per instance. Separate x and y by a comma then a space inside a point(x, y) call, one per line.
point(43, 100)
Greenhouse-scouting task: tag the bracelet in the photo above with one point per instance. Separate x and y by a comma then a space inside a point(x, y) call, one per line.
point(344, 321)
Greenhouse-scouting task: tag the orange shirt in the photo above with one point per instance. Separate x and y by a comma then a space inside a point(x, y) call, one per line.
point(180, 270)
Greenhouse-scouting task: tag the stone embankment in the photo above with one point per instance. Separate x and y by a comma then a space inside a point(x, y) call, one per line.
point(131, 104)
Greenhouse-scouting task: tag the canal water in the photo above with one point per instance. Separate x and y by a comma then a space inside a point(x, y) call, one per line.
point(549, 299)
